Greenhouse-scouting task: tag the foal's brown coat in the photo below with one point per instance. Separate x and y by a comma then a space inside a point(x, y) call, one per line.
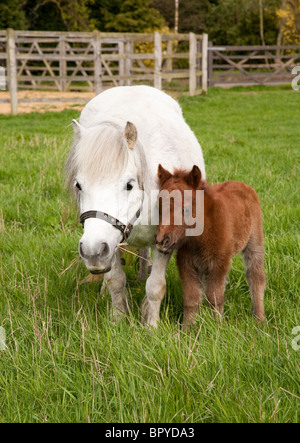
point(232, 224)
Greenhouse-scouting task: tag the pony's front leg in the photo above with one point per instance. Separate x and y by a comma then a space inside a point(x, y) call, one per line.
point(115, 283)
point(155, 289)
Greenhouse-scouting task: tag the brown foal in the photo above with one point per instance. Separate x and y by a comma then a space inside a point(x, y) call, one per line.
point(232, 224)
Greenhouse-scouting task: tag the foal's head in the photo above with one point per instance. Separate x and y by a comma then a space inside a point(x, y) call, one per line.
point(178, 211)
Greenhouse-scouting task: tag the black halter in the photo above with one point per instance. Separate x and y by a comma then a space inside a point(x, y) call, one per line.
point(125, 229)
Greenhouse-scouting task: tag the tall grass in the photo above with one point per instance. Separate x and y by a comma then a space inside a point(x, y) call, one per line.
point(66, 361)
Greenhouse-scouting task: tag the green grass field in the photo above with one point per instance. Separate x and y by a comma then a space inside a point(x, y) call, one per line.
point(66, 361)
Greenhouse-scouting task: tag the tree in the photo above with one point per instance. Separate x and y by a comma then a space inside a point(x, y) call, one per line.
point(80, 15)
point(261, 22)
point(193, 16)
point(176, 26)
point(57, 15)
point(43, 16)
point(192, 13)
point(167, 9)
point(12, 15)
point(134, 16)
point(227, 22)
point(101, 11)
point(232, 22)
point(289, 14)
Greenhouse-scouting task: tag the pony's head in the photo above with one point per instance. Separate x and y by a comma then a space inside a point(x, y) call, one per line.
point(178, 211)
point(104, 172)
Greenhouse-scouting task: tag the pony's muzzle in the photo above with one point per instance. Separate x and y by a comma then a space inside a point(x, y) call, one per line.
point(97, 261)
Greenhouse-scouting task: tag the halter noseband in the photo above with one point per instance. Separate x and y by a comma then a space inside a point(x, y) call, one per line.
point(125, 229)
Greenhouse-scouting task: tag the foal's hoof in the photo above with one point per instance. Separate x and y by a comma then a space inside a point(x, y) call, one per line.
point(260, 319)
point(148, 319)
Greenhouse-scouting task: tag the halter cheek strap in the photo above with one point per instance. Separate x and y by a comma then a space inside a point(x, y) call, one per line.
point(125, 229)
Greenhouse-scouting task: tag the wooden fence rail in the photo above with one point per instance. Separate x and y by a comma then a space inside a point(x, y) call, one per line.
point(69, 61)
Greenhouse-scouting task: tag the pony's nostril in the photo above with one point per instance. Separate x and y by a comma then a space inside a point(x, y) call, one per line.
point(104, 250)
point(101, 251)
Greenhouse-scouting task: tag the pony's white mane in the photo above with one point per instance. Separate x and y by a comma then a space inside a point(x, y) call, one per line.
point(100, 152)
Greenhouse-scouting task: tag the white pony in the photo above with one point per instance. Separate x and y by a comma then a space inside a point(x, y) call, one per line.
point(122, 136)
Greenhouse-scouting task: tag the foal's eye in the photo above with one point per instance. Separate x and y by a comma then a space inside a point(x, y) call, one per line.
point(78, 186)
point(129, 186)
point(185, 211)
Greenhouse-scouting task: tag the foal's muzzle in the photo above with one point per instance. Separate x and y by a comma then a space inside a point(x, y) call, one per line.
point(164, 244)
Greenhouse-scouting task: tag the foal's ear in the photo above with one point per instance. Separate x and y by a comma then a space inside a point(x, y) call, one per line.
point(194, 177)
point(130, 134)
point(163, 175)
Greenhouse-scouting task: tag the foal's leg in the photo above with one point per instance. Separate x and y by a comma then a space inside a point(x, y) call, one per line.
point(215, 288)
point(192, 289)
point(115, 282)
point(155, 289)
point(254, 259)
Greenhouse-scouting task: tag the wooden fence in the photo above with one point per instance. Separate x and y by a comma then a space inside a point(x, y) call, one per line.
point(251, 65)
point(63, 61)
point(91, 62)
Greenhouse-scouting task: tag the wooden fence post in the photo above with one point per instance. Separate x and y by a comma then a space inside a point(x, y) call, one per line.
point(97, 63)
point(205, 63)
point(193, 60)
point(210, 65)
point(169, 63)
point(121, 48)
point(62, 63)
point(157, 60)
point(12, 70)
point(129, 48)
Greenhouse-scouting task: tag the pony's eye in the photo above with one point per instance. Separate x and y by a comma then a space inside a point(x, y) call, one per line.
point(185, 211)
point(78, 186)
point(129, 186)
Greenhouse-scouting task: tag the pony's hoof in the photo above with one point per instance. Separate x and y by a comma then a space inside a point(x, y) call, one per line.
point(116, 314)
point(104, 289)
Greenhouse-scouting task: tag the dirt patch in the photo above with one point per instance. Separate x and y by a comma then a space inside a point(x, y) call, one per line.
point(43, 101)
point(53, 101)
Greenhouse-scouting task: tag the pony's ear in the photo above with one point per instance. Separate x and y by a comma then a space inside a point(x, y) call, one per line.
point(194, 177)
point(78, 129)
point(163, 175)
point(130, 134)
